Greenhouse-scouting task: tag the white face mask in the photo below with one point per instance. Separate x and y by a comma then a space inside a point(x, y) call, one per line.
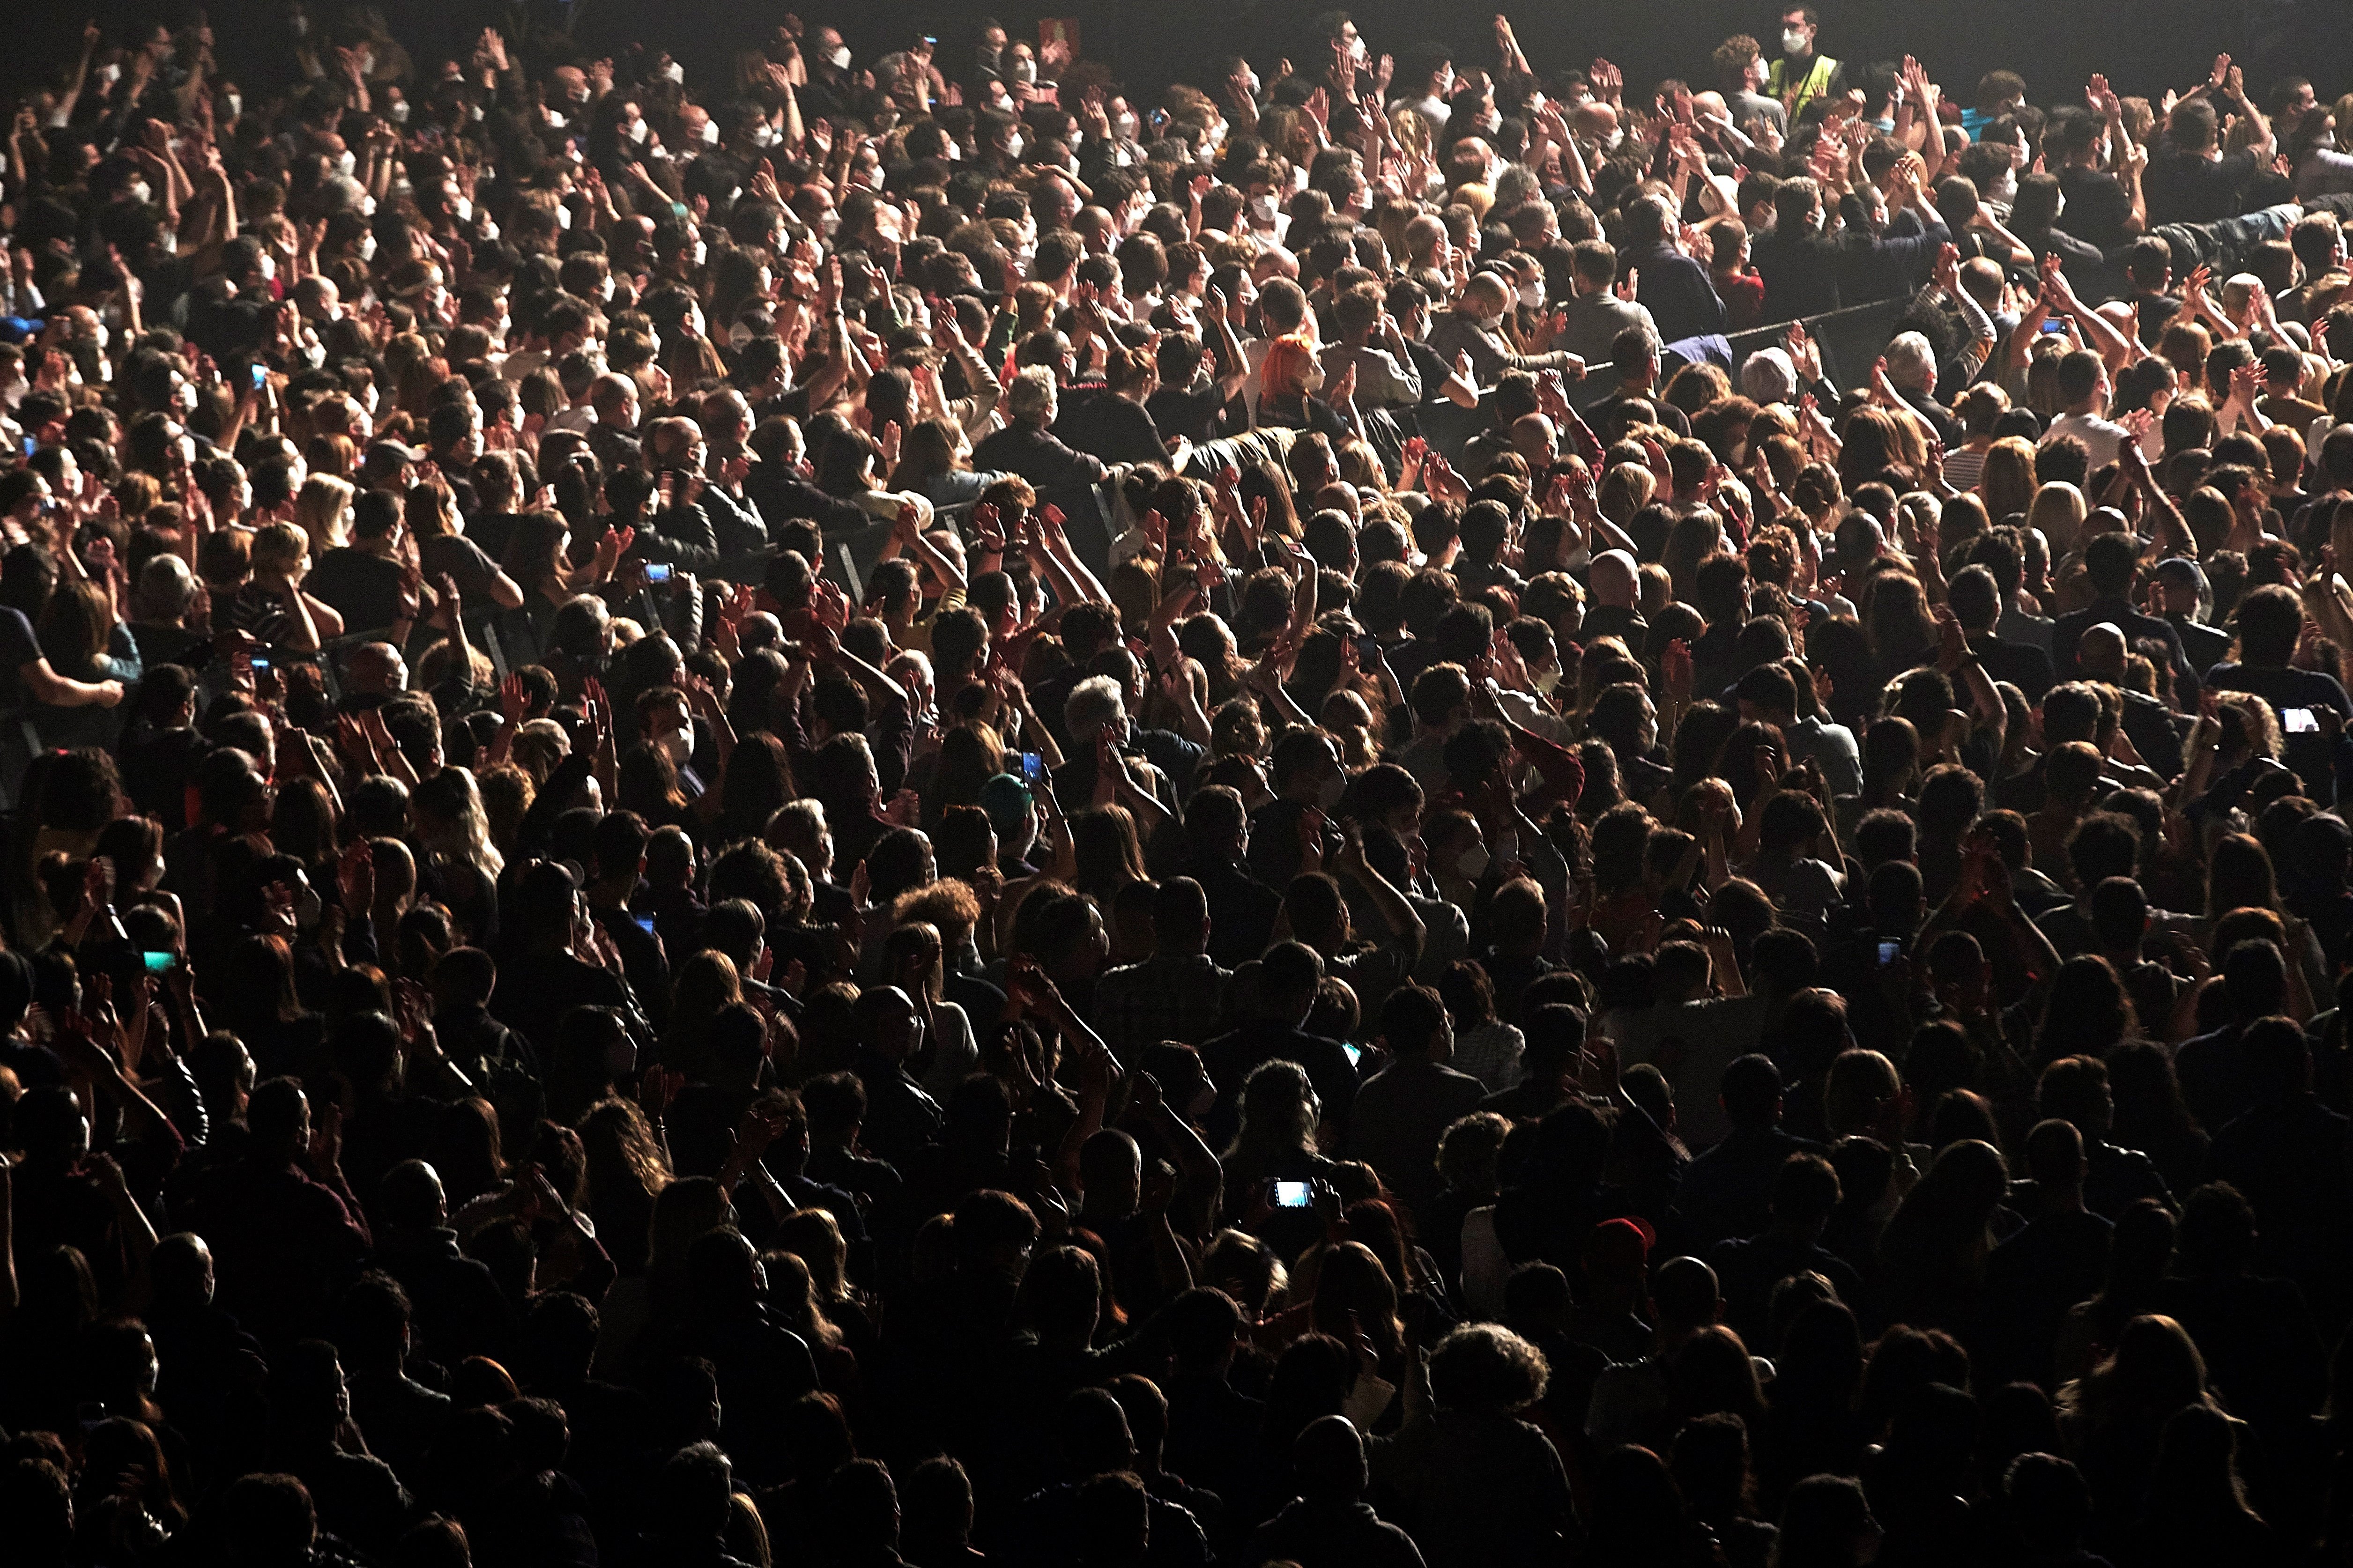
point(367, 248)
point(839, 58)
point(564, 217)
point(140, 191)
point(679, 743)
point(673, 73)
point(346, 161)
point(702, 252)
point(1793, 41)
point(1262, 208)
point(13, 393)
point(2004, 187)
point(462, 210)
point(1013, 146)
point(400, 112)
point(1024, 70)
point(110, 73)
point(1532, 296)
point(269, 267)
point(711, 133)
point(236, 106)
point(556, 121)
point(1472, 862)
point(639, 130)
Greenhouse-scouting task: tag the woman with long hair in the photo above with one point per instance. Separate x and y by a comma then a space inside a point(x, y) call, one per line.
point(2088, 1011)
point(259, 1003)
point(1276, 1141)
point(705, 985)
point(2197, 1512)
point(459, 866)
point(757, 783)
point(2007, 481)
point(970, 756)
point(1933, 1253)
point(649, 785)
point(1639, 1518)
point(1109, 857)
point(322, 510)
point(2151, 1115)
point(627, 1173)
point(2115, 1417)
point(1903, 634)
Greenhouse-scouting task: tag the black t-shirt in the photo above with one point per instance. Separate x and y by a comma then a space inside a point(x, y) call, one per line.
point(364, 589)
point(473, 572)
point(1112, 428)
point(1187, 413)
point(2097, 206)
point(2191, 188)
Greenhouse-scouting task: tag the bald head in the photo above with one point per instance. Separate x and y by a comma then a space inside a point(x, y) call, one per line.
point(1616, 580)
point(2102, 651)
point(1533, 438)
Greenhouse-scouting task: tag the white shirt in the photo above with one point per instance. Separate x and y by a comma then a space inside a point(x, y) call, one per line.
point(2103, 436)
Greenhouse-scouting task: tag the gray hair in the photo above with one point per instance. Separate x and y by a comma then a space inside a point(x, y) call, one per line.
point(1769, 376)
point(1032, 394)
point(1911, 362)
point(165, 588)
point(1095, 703)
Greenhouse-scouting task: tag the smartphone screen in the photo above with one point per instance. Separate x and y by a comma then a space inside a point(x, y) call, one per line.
point(1889, 951)
point(260, 665)
point(645, 923)
point(656, 572)
point(1355, 1053)
point(260, 376)
point(160, 963)
point(2298, 721)
point(1292, 1195)
point(1033, 766)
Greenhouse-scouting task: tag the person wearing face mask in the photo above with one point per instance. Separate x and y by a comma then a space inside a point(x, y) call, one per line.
point(1797, 257)
point(2035, 217)
point(231, 317)
point(1428, 84)
point(828, 91)
point(1801, 76)
point(1308, 778)
point(1475, 327)
point(666, 720)
point(1741, 70)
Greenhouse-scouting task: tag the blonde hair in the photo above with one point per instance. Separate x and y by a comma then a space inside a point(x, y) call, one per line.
point(2058, 511)
point(280, 547)
point(322, 510)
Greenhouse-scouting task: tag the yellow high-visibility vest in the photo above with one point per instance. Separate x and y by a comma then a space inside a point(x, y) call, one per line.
point(1817, 82)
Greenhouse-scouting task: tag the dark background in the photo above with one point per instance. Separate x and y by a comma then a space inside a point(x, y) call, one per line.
point(2144, 45)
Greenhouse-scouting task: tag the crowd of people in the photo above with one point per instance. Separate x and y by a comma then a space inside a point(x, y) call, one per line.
point(902, 808)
